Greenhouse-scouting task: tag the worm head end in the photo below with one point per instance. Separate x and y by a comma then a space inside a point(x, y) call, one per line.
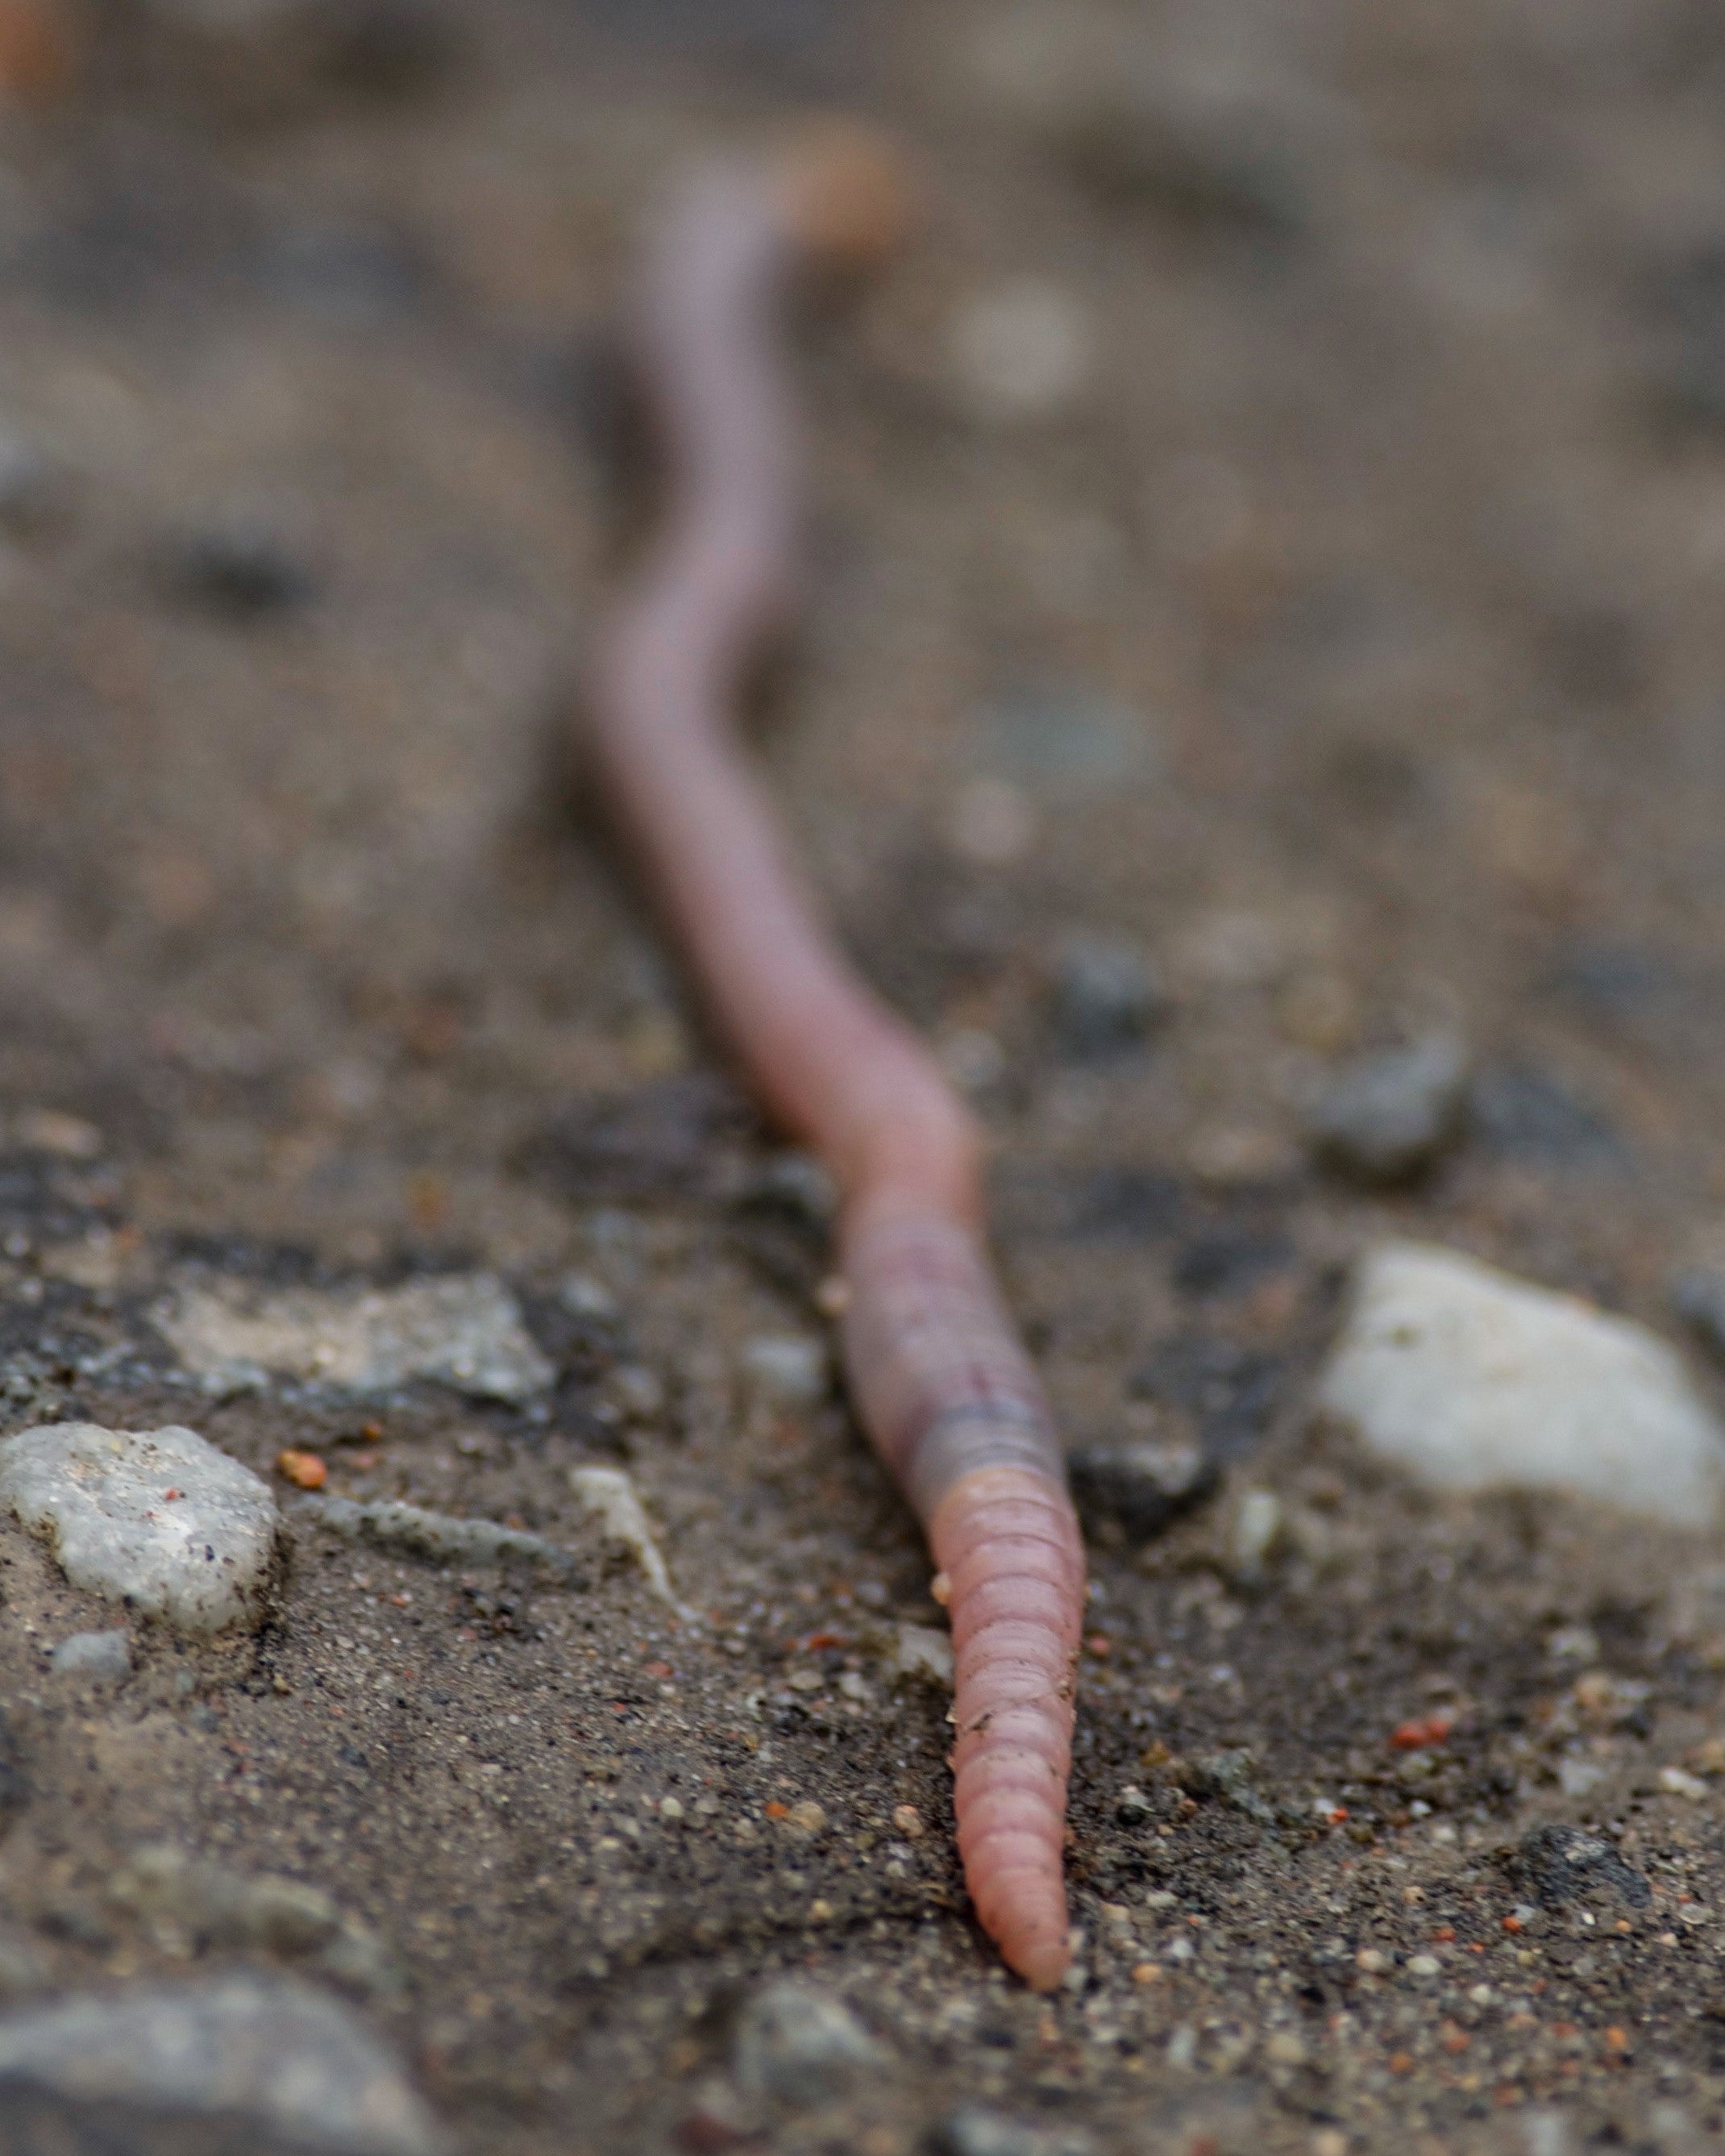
point(848, 191)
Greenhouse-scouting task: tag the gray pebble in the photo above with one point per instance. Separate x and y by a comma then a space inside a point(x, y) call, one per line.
point(30, 487)
point(186, 1903)
point(1698, 1297)
point(1388, 1117)
point(800, 2045)
point(787, 1369)
point(411, 1530)
point(278, 2052)
point(1139, 1488)
point(462, 1330)
point(100, 1656)
point(156, 1519)
point(971, 2131)
point(238, 570)
point(1106, 995)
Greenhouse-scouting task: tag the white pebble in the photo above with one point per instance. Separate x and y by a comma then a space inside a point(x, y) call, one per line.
point(1023, 349)
point(102, 1657)
point(1471, 1380)
point(156, 1519)
point(787, 1369)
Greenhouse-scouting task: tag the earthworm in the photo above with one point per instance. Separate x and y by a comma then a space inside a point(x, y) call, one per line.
point(944, 1389)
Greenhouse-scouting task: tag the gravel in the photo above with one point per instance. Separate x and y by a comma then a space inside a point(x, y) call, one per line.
point(800, 2044)
point(1136, 1489)
point(98, 1657)
point(462, 1330)
point(1388, 1118)
point(411, 1530)
point(277, 2051)
point(786, 1370)
point(1470, 1380)
point(156, 1519)
point(1106, 995)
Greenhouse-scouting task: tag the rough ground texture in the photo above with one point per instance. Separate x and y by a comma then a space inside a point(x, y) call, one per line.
point(1322, 593)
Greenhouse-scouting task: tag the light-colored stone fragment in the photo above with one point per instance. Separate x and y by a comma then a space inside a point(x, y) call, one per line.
point(188, 1904)
point(609, 1495)
point(464, 1331)
point(296, 2060)
point(787, 1369)
point(921, 1654)
point(800, 2044)
point(156, 1519)
point(411, 1530)
point(1472, 1380)
point(97, 1657)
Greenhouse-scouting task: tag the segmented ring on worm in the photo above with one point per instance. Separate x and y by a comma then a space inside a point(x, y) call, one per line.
point(943, 1388)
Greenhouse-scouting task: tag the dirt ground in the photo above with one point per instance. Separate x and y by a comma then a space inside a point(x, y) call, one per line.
point(1343, 624)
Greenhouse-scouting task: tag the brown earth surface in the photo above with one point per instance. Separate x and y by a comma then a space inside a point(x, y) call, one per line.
point(1338, 614)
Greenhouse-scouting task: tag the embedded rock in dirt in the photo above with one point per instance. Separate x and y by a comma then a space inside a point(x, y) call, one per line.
point(297, 2062)
point(156, 1519)
point(800, 2044)
point(1471, 1380)
point(1386, 1118)
point(463, 1330)
point(97, 1657)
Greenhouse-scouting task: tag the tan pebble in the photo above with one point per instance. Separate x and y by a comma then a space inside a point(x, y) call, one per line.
point(806, 1817)
point(909, 1821)
point(1147, 1972)
point(992, 822)
point(940, 1587)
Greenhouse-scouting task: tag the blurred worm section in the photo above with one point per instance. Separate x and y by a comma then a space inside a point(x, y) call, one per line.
point(947, 1393)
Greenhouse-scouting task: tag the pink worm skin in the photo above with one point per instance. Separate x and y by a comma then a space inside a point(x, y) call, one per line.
point(944, 1389)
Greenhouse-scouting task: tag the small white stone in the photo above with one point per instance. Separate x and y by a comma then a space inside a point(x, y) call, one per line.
point(610, 1498)
point(919, 1651)
point(800, 2044)
point(156, 1519)
point(1257, 1522)
point(1471, 1380)
point(100, 1657)
point(1023, 350)
point(1676, 1782)
point(1423, 1966)
point(787, 1369)
point(301, 2066)
point(462, 1330)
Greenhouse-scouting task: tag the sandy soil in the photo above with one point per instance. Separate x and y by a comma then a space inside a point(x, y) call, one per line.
point(1346, 628)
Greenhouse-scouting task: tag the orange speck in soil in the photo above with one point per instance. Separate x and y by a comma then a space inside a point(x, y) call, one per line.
point(1617, 2040)
point(1401, 2062)
point(775, 1810)
point(657, 1670)
point(1512, 1923)
point(1444, 1933)
point(304, 1469)
point(1425, 1729)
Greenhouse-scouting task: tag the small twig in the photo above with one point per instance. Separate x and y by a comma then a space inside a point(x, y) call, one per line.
point(946, 1391)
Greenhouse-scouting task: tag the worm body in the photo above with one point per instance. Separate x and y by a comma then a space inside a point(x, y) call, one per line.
point(944, 1389)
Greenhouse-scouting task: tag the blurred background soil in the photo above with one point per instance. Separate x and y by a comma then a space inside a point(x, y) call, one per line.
point(1271, 520)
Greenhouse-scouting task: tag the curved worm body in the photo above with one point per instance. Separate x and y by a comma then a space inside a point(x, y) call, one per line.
point(943, 1386)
